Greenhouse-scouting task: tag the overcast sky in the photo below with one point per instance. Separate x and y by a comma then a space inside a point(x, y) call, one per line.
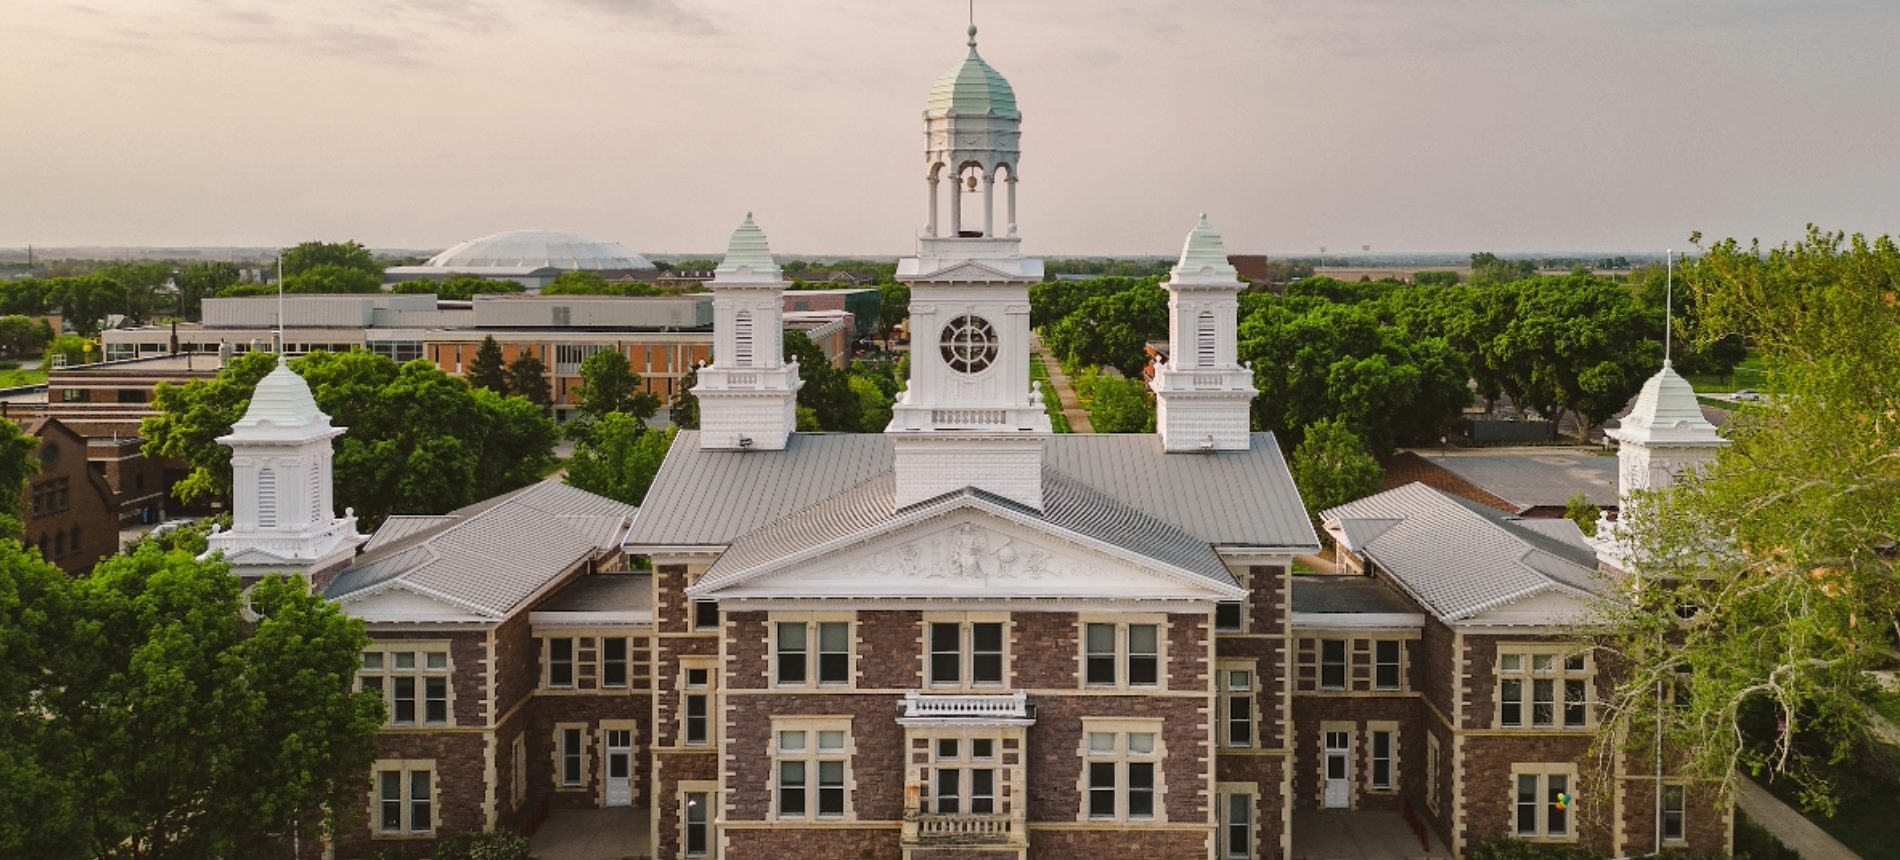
point(1510, 125)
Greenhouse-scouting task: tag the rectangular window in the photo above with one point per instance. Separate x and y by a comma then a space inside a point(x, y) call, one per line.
point(791, 789)
point(405, 798)
point(1543, 687)
point(1237, 701)
point(390, 801)
point(698, 827)
point(982, 791)
point(705, 615)
point(1544, 800)
point(812, 770)
point(986, 653)
point(1227, 616)
point(560, 663)
point(613, 662)
point(415, 684)
point(834, 652)
point(419, 801)
point(1122, 770)
point(1101, 654)
point(435, 694)
point(1141, 790)
point(946, 653)
point(964, 653)
point(571, 757)
point(1674, 805)
point(1237, 827)
point(1576, 697)
point(949, 791)
point(519, 784)
point(1332, 664)
point(791, 652)
point(696, 707)
point(1102, 789)
point(1431, 771)
point(1385, 664)
point(403, 700)
point(1527, 805)
point(696, 719)
point(1382, 761)
point(1511, 703)
point(1144, 655)
point(1121, 654)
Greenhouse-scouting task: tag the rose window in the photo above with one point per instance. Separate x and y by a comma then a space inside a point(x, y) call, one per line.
point(969, 344)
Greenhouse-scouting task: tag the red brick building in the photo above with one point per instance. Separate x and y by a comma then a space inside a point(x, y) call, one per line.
point(70, 512)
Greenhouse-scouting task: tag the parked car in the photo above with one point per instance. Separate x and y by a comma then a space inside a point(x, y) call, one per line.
point(1749, 395)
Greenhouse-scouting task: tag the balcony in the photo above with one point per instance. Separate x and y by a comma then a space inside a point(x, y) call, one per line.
point(966, 830)
point(1010, 709)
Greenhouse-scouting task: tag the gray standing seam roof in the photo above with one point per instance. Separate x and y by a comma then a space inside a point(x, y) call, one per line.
point(1229, 498)
point(492, 555)
point(1068, 505)
point(1535, 480)
point(1460, 558)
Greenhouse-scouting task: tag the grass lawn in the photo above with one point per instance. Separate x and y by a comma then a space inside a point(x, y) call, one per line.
point(1051, 403)
point(18, 378)
point(1751, 373)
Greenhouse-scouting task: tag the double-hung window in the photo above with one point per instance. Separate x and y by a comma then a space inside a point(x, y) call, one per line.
point(1385, 664)
point(560, 663)
point(414, 683)
point(965, 652)
point(963, 776)
point(696, 819)
point(572, 755)
point(1675, 805)
point(810, 763)
point(1332, 664)
point(696, 706)
point(807, 650)
point(1544, 801)
point(1237, 705)
point(1385, 740)
point(1122, 769)
point(405, 798)
point(613, 661)
point(1121, 654)
point(1542, 687)
point(1236, 824)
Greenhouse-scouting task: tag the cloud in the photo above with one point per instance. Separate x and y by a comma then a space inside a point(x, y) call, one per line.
point(665, 14)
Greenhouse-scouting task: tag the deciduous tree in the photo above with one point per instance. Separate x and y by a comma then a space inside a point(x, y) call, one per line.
point(1331, 466)
point(619, 458)
point(608, 385)
point(307, 256)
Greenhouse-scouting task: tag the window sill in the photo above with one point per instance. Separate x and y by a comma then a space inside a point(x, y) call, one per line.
point(396, 836)
point(1546, 840)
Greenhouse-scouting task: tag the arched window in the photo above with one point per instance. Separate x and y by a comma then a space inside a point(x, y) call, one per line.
point(742, 339)
point(266, 499)
point(316, 493)
point(1204, 340)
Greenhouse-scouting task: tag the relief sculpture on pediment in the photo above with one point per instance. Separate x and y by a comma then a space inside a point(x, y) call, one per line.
point(967, 553)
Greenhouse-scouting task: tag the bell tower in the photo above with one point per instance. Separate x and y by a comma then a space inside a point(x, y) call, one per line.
point(968, 416)
point(748, 398)
point(1202, 396)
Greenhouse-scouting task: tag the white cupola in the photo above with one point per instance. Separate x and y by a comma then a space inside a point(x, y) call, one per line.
point(283, 516)
point(969, 416)
point(1663, 437)
point(1203, 398)
point(748, 396)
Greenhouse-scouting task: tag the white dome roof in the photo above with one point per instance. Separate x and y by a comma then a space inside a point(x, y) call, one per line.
point(538, 249)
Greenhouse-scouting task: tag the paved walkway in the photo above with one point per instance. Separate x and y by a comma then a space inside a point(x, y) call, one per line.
point(1789, 826)
point(1064, 389)
point(592, 834)
point(1343, 834)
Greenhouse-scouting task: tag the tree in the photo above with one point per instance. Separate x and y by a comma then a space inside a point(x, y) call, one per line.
point(85, 301)
point(308, 256)
point(1112, 330)
point(1488, 269)
point(1118, 405)
point(486, 371)
point(17, 466)
point(619, 458)
point(580, 283)
point(458, 288)
point(419, 441)
point(608, 385)
point(893, 307)
point(528, 378)
point(1578, 509)
point(684, 408)
point(22, 336)
point(1766, 588)
point(199, 281)
point(329, 278)
point(827, 392)
point(165, 724)
point(1331, 467)
point(70, 349)
point(874, 406)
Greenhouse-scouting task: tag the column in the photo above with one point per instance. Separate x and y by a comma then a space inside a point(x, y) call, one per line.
point(931, 230)
point(956, 205)
point(989, 204)
point(1012, 200)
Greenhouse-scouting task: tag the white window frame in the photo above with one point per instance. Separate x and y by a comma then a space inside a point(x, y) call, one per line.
point(1124, 659)
point(1245, 579)
point(562, 752)
point(1397, 664)
point(379, 671)
point(625, 661)
point(518, 767)
point(1247, 696)
point(406, 770)
point(709, 790)
point(1121, 751)
point(1432, 774)
point(1249, 796)
point(965, 762)
point(1391, 730)
point(814, 630)
point(1681, 812)
point(813, 755)
point(689, 691)
point(966, 649)
point(548, 662)
point(1345, 665)
point(1545, 803)
point(1537, 668)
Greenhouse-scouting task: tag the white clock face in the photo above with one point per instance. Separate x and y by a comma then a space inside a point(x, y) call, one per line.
point(968, 344)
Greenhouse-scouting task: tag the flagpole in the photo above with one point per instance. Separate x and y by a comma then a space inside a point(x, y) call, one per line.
point(280, 307)
point(1669, 302)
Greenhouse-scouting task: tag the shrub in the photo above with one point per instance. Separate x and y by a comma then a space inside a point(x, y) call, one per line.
point(1517, 849)
point(501, 845)
point(1754, 842)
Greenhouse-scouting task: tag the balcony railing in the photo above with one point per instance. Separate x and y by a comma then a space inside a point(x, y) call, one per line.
point(959, 706)
point(966, 829)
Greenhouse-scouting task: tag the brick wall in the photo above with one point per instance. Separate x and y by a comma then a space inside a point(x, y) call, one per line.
point(1490, 792)
point(875, 772)
point(1044, 650)
point(1055, 761)
point(460, 788)
point(890, 650)
point(813, 842)
point(1070, 844)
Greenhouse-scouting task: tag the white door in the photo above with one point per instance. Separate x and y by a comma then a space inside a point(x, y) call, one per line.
point(619, 767)
point(1338, 770)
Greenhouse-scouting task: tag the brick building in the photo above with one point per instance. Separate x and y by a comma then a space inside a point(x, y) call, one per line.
point(967, 637)
point(69, 509)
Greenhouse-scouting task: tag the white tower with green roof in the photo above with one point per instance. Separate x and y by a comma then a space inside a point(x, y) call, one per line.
point(1663, 437)
point(1202, 395)
point(748, 396)
point(969, 416)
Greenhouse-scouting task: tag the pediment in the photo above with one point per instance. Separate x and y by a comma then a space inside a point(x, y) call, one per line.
point(972, 272)
point(970, 553)
point(399, 604)
point(1550, 606)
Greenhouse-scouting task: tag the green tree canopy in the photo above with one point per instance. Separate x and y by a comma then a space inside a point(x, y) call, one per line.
point(199, 281)
point(608, 385)
point(22, 336)
point(308, 256)
point(419, 441)
point(683, 410)
point(1111, 330)
point(1119, 405)
point(1331, 466)
point(166, 725)
point(591, 284)
point(893, 307)
point(487, 370)
point(458, 288)
point(528, 378)
point(18, 464)
point(329, 278)
point(827, 390)
point(619, 458)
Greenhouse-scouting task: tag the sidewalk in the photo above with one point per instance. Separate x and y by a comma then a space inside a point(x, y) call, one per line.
point(1794, 831)
point(1064, 390)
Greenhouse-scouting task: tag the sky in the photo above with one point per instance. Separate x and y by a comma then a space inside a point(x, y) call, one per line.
point(1453, 125)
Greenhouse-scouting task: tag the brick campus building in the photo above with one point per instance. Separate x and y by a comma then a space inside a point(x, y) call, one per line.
point(968, 637)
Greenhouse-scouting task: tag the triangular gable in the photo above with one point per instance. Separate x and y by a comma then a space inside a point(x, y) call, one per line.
point(1555, 606)
point(972, 548)
point(400, 604)
point(970, 271)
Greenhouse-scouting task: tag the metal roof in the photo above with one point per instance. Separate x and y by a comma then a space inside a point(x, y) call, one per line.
point(1354, 594)
point(1666, 412)
point(603, 592)
point(1459, 558)
point(1226, 498)
point(281, 407)
point(971, 89)
point(1534, 477)
point(1068, 505)
point(1205, 255)
point(492, 555)
point(537, 249)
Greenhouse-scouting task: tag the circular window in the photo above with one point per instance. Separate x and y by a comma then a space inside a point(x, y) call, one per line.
point(969, 344)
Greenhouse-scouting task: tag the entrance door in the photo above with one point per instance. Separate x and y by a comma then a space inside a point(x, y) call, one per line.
point(1338, 770)
point(619, 767)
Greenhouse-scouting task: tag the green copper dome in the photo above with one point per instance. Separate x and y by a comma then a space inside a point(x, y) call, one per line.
point(971, 89)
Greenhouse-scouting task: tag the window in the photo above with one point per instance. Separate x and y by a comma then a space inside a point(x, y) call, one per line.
point(1236, 823)
point(1542, 674)
point(1121, 654)
point(613, 665)
point(1431, 771)
point(796, 661)
point(560, 663)
point(742, 339)
point(1227, 616)
point(519, 787)
point(810, 759)
point(1544, 802)
point(1674, 801)
point(1382, 759)
point(266, 499)
point(697, 817)
point(405, 798)
point(1122, 769)
point(963, 776)
point(698, 706)
point(705, 615)
point(1332, 664)
point(965, 652)
point(1385, 664)
point(572, 755)
point(1204, 340)
point(403, 676)
point(968, 344)
point(1237, 706)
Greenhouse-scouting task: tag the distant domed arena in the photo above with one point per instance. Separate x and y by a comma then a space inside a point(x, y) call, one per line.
point(532, 257)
